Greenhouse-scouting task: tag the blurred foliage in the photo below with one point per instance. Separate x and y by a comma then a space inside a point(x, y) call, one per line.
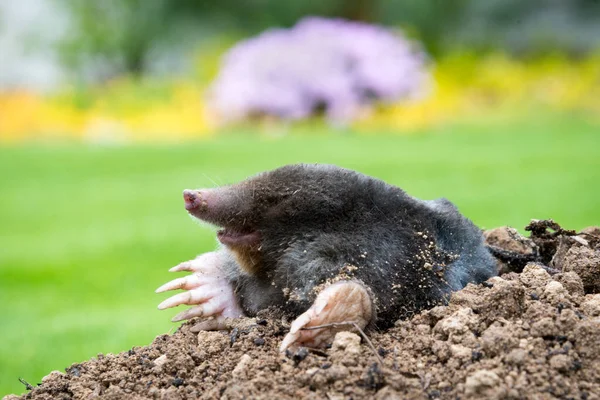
point(467, 87)
point(115, 36)
point(525, 28)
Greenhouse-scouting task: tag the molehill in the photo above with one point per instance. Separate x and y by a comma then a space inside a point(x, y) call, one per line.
point(532, 332)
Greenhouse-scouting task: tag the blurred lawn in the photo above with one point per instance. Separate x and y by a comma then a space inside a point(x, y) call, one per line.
point(87, 233)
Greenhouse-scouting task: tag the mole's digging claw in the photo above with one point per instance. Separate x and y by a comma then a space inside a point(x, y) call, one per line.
point(206, 262)
point(187, 283)
point(190, 297)
point(214, 324)
point(207, 289)
point(343, 301)
point(211, 307)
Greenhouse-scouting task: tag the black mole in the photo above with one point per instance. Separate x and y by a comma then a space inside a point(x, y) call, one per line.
point(327, 244)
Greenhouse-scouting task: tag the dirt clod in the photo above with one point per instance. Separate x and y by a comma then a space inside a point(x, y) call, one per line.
point(585, 262)
point(512, 249)
point(533, 333)
point(241, 369)
point(482, 383)
point(347, 341)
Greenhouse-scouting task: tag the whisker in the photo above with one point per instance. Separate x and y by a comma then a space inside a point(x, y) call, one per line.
point(211, 180)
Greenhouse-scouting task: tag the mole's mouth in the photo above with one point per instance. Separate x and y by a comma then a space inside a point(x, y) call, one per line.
point(215, 207)
point(238, 239)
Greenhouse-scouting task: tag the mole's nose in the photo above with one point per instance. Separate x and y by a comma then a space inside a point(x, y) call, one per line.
point(192, 199)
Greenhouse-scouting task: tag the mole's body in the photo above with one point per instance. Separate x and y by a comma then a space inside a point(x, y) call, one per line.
point(327, 245)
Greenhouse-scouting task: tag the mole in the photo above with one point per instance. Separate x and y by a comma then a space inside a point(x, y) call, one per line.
point(327, 246)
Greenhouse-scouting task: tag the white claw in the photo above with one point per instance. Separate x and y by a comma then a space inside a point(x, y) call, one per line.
point(301, 321)
point(287, 341)
point(215, 324)
point(195, 296)
point(206, 262)
point(184, 266)
point(210, 308)
point(294, 333)
point(187, 282)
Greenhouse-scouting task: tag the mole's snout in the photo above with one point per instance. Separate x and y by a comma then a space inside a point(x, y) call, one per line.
point(216, 206)
point(192, 198)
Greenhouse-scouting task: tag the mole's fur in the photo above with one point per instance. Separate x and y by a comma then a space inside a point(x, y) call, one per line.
point(287, 231)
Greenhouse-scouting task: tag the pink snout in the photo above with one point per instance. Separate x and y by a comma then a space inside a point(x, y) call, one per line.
point(193, 199)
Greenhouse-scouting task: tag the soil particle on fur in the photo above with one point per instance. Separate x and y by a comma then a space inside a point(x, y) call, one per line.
point(528, 334)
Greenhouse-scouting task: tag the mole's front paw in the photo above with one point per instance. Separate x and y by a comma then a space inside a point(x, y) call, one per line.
point(343, 303)
point(207, 288)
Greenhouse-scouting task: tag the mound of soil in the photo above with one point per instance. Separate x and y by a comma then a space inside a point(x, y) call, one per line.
point(533, 332)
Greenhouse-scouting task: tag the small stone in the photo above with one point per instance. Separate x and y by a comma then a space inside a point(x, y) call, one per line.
point(534, 276)
point(567, 320)
point(177, 382)
point(300, 354)
point(543, 328)
point(498, 339)
point(241, 369)
point(534, 296)
point(480, 382)
point(555, 292)
point(554, 287)
point(476, 355)
point(461, 352)
point(160, 361)
point(561, 362)
point(51, 375)
point(505, 300)
point(347, 341)
point(456, 324)
point(586, 263)
point(572, 282)
point(441, 350)
point(591, 305)
point(516, 357)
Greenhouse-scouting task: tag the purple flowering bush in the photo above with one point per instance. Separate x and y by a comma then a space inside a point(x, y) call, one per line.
point(320, 65)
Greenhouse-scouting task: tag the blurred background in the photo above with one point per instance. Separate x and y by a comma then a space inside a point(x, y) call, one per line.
point(108, 110)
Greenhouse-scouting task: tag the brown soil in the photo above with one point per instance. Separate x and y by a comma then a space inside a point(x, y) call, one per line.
point(533, 332)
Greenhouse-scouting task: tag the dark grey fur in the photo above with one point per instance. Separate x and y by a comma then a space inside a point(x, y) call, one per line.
point(314, 220)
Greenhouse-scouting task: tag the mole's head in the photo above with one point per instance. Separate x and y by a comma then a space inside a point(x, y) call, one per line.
point(261, 216)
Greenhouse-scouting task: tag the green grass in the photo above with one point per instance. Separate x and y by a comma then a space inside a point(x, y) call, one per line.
point(87, 233)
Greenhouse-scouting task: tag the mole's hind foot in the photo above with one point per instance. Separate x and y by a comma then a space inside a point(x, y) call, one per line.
point(207, 288)
point(340, 306)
